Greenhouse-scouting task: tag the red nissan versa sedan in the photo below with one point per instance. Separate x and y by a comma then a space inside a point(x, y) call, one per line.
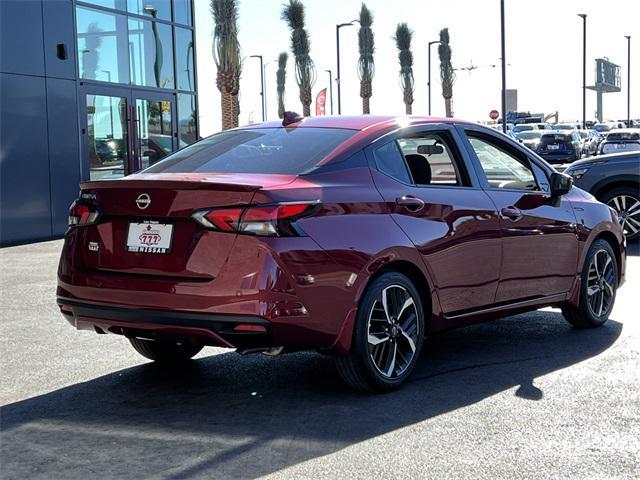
point(353, 236)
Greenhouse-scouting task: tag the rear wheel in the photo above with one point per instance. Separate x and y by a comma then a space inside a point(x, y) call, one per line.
point(165, 351)
point(626, 201)
point(388, 335)
point(599, 281)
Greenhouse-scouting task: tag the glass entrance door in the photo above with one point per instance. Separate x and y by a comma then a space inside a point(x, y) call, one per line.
point(126, 130)
point(107, 136)
point(155, 128)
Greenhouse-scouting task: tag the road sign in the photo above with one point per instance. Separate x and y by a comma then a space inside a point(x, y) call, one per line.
point(494, 114)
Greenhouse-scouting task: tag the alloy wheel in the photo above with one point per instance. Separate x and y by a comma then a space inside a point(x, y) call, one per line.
point(600, 283)
point(393, 330)
point(628, 209)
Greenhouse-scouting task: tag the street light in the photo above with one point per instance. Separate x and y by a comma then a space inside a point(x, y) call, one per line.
point(628, 37)
point(330, 90)
point(338, 27)
point(261, 84)
point(584, 69)
point(429, 69)
point(504, 69)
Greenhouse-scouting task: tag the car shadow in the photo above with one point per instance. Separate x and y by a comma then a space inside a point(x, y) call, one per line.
point(227, 416)
point(633, 248)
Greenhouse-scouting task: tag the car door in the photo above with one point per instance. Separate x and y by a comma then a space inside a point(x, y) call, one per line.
point(539, 234)
point(436, 200)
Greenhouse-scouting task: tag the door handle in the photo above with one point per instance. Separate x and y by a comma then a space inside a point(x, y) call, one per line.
point(411, 203)
point(511, 212)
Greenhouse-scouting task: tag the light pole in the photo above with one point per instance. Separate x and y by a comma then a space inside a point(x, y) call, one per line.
point(330, 90)
point(628, 37)
point(584, 69)
point(504, 69)
point(338, 27)
point(429, 70)
point(261, 84)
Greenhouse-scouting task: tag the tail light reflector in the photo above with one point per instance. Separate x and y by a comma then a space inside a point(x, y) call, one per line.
point(81, 214)
point(264, 220)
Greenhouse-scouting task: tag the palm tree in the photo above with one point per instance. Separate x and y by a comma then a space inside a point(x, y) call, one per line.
point(281, 77)
point(226, 54)
point(403, 42)
point(293, 14)
point(366, 67)
point(447, 75)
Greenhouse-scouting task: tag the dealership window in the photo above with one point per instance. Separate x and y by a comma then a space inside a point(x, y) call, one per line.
point(115, 4)
point(184, 59)
point(154, 8)
point(182, 11)
point(187, 120)
point(151, 58)
point(102, 46)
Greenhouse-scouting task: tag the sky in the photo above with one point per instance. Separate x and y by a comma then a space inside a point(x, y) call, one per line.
point(543, 52)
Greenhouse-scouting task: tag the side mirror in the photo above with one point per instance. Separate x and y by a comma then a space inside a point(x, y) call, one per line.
point(560, 184)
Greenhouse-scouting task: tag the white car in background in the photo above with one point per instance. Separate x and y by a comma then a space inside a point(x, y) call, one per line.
point(621, 140)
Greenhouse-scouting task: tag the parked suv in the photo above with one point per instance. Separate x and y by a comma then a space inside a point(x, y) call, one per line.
point(615, 180)
point(560, 146)
point(352, 236)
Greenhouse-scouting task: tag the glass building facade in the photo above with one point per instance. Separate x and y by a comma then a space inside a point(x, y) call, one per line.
point(91, 89)
point(145, 50)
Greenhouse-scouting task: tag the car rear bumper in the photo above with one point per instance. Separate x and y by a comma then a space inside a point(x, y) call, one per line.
point(559, 157)
point(231, 331)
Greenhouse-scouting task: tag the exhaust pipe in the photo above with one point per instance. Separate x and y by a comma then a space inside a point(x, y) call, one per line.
point(271, 351)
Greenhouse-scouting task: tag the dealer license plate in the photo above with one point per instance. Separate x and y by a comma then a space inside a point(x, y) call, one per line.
point(149, 237)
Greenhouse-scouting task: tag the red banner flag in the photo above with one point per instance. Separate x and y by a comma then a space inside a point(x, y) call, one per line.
point(321, 100)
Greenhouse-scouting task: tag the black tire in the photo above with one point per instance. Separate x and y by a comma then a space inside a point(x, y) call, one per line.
point(358, 369)
point(632, 216)
point(586, 315)
point(165, 351)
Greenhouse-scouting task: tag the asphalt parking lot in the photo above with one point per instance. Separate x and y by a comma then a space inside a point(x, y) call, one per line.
point(525, 396)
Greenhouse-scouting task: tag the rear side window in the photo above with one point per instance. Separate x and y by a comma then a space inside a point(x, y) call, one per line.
point(262, 150)
point(431, 160)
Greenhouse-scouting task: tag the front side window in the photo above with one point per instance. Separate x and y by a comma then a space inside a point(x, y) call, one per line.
point(430, 160)
point(503, 169)
point(292, 151)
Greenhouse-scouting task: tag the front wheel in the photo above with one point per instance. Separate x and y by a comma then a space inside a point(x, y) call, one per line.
point(388, 335)
point(599, 282)
point(165, 351)
point(626, 202)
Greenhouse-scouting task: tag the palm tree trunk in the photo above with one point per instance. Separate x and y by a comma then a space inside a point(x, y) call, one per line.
point(365, 105)
point(306, 110)
point(236, 110)
point(408, 109)
point(227, 111)
point(447, 107)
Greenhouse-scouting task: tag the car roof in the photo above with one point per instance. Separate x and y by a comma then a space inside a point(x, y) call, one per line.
point(358, 122)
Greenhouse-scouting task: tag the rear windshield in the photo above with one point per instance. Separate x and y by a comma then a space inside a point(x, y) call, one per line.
point(622, 136)
point(530, 135)
point(290, 151)
point(556, 138)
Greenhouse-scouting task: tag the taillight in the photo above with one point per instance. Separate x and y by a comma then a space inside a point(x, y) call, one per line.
point(264, 220)
point(81, 214)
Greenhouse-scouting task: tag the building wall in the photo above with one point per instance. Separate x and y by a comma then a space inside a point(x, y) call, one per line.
point(39, 141)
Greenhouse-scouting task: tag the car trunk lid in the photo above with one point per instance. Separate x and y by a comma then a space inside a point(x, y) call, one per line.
point(145, 226)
